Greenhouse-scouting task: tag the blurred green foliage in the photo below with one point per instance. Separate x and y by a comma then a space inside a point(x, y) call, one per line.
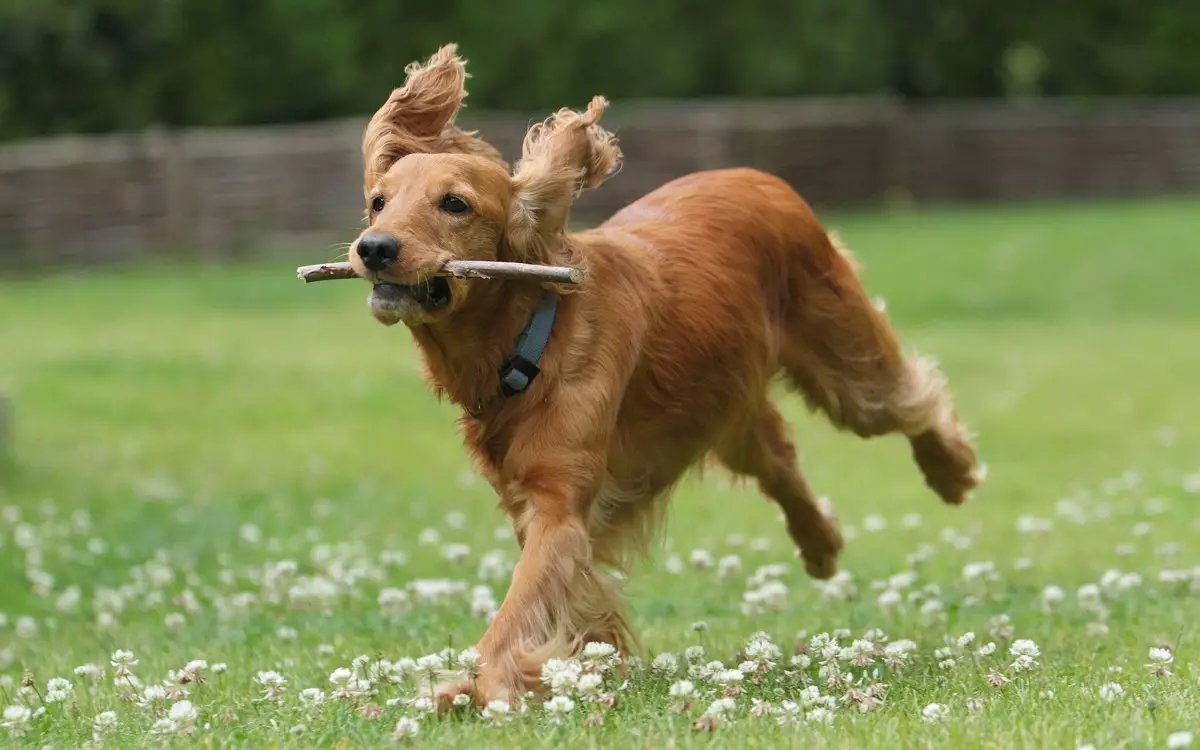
point(98, 65)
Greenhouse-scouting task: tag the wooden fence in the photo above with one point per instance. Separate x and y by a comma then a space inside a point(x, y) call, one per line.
point(104, 199)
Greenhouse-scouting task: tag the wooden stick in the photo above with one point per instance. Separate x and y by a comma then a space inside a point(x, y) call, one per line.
point(475, 269)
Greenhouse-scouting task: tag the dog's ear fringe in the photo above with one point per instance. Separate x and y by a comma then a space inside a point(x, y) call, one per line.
point(419, 117)
point(561, 157)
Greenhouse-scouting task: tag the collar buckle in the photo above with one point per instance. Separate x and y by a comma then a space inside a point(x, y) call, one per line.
point(516, 374)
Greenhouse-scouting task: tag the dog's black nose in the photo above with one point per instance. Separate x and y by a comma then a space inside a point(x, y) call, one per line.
point(378, 250)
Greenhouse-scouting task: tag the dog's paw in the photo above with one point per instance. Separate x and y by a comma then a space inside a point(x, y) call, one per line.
point(450, 696)
point(820, 543)
point(821, 567)
point(460, 695)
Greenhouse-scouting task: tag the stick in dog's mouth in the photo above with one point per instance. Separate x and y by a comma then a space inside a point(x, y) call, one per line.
point(475, 269)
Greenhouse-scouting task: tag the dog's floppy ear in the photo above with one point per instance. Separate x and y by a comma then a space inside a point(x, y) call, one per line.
point(561, 157)
point(419, 117)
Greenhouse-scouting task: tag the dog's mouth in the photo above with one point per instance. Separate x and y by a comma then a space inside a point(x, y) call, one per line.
point(431, 294)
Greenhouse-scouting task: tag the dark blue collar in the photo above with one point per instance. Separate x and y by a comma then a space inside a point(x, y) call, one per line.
point(518, 370)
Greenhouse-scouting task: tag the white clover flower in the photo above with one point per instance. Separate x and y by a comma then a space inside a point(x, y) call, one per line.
point(1026, 653)
point(312, 697)
point(1111, 691)
point(787, 713)
point(430, 665)
point(599, 650)
point(800, 661)
point(123, 659)
point(1160, 661)
point(493, 565)
point(932, 610)
point(720, 707)
point(1001, 628)
point(839, 588)
point(729, 676)
point(104, 720)
point(986, 650)
point(665, 664)
point(693, 653)
point(701, 559)
point(760, 707)
point(761, 653)
point(195, 666)
point(561, 675)
point(422, 705)
point(164, 726)
point(429, 537)
point(729, 565)
point(392, 600)
point(1052, 597)
point(710, 670)
point(16, 719)
point(90, 672)
point(897, 653)
point(1097, 629)
point(890, 599)
point(589, 684)
point(152, 693)
point(682, 689)
point(58, 690)
point(819, 715)
point(860, 653)
point(824, 646)
point(406, 728)
point(273, 684)
point(558, 706)
point(496, 710)
point(183, 713)
point(468, 659)
point(935, 713)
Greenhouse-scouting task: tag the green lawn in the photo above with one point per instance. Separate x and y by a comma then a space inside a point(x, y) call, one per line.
point(228, 465)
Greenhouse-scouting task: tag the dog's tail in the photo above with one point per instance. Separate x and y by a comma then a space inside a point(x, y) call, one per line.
point(842, 354)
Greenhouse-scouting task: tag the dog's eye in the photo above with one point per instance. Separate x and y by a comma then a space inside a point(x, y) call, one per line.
point(377, 203)
point(453, 204)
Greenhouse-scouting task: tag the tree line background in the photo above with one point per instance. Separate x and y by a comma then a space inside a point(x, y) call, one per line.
point(103, 65)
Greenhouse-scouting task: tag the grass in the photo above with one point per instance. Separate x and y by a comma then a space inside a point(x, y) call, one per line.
point(179, 433)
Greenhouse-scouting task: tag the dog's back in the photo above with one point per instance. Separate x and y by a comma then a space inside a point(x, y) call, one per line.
point(738, 282)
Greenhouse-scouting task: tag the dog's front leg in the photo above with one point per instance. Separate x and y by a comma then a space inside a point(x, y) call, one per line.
point(553, 598)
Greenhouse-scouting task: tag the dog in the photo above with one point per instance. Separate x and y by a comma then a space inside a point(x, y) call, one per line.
point(584, 407)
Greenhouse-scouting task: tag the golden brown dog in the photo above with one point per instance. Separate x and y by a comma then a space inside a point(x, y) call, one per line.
point(697, 296)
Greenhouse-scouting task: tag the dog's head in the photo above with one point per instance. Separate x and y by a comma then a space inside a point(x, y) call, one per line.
point(427, 208)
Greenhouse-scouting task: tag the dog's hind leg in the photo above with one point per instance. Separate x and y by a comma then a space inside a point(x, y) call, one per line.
point(760, 448)
point(841, 352)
